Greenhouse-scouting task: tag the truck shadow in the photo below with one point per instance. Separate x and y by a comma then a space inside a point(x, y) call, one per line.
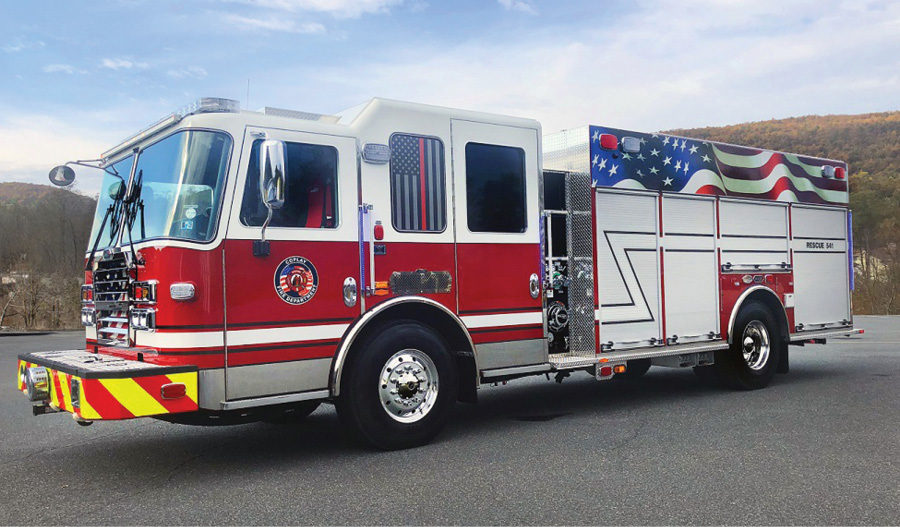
point(201, 454)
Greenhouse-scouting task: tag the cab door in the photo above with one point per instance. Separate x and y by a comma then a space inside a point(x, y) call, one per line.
point(495, 175)
point(285, 311)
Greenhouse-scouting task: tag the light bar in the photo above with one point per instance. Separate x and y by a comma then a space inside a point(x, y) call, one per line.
point(202, 105)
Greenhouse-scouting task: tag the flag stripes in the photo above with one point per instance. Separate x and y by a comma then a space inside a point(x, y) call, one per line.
point(418, 186)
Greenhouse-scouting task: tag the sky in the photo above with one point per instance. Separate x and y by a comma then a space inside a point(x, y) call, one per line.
point(78, 76)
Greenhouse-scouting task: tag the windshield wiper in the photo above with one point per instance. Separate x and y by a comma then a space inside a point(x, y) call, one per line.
point(133, 204)
point(112, 210)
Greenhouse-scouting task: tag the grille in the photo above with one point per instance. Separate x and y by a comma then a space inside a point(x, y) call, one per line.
point(111, 283)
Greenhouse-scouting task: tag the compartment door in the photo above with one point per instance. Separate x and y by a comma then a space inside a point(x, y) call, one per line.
point(821, 267)
point(495, 177)
point(627, 245)
point(285, 312)
point(691, 269)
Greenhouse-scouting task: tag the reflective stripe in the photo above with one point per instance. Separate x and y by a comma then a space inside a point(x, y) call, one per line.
point(506, 319)
point(134, 398)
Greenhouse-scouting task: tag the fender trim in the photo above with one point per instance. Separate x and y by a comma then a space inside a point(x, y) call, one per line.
point(740, 302)
point(354, 330)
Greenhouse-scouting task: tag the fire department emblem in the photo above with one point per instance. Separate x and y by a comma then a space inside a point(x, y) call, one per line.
point(296, 280)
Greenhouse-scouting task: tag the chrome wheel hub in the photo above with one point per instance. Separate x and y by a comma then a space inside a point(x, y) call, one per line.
point(408, 386)
point(755, 345)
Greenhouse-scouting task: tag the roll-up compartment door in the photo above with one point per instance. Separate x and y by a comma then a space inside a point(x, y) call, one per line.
point(821, 267)
point(628, 268)
point(754, 235)
point(691, 273)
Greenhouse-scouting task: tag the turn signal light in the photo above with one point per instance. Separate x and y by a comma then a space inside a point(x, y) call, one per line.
point(619, 368)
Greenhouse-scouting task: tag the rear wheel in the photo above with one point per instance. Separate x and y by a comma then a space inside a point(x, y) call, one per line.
point(756, 347)
point(399, 389)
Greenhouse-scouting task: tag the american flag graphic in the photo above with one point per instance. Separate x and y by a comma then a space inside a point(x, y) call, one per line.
point(418, 188)
point(691, 166)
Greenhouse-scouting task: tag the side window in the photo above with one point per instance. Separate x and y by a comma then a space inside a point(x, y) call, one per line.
point(310, 192)
point(495, 188)
point(418, 186)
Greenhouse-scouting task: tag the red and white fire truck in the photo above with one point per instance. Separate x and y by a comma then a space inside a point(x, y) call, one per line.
point(394, 257)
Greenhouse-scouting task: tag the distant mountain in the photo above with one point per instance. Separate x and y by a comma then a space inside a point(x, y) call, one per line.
point(15, 193)
point(869, 143)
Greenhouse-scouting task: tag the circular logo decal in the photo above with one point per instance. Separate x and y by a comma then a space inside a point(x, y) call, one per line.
point(296, 280)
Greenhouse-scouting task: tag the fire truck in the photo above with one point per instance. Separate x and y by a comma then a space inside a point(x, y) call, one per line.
point(393, 258)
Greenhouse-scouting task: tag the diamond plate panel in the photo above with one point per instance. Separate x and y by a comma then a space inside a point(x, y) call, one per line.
point(581, 264)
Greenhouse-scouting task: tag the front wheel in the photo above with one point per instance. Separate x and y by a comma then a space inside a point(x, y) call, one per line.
point(751, 361)
point(399, 388)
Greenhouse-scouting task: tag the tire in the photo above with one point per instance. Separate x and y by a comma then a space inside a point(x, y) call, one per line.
point(634, 369)
point(399, 388)
point(751, 361)
point(290, 413)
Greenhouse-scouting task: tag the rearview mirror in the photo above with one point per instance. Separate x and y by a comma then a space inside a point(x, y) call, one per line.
point(62, 176)
point(272, 170)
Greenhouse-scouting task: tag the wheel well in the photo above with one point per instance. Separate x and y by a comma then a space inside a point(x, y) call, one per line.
point(767, 298)
point(441, 323)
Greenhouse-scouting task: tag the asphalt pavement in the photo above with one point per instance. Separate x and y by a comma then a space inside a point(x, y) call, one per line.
point(820, 445)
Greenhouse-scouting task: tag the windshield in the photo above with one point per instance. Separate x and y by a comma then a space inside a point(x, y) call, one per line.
point(177, 185)
point(108, 190)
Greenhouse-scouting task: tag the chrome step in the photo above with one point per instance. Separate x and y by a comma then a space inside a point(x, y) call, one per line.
point(824, 333)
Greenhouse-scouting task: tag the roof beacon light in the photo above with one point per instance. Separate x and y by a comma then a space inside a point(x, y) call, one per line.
point(210, 105)
point(840, 173)
point(609, 142)
point(828, 171)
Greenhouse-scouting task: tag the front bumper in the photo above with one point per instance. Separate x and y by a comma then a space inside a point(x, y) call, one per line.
point(101, 387)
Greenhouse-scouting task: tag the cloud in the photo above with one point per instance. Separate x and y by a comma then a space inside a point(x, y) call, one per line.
point(123, 64)
point(191, 72)
point(35, 143)
point(22, 45)
point(518, 5)
point(274, 24)
point(62, 68)
point(336, 8)
point(659, 66)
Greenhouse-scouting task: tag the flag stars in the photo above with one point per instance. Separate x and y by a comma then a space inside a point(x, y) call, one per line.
point(626, 156)
point(667, 160)
point(654, 170)
point(594, 162)
point(667, 181)
point(602, 165)
point(683, 144)
point(677, 165)
point(693, 149)
point(666, 140)
point(654, 152)
point(596, 135)
point(675, 144)
point(686, 165)
point(640, 173)
point(706, 158)
point(641, 157)
point(613, 170)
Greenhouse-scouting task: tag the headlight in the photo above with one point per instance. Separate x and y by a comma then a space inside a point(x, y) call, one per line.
point(88, 316)
point(143, 319)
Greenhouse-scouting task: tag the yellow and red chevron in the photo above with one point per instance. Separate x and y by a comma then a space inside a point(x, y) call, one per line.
point(119, 398)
